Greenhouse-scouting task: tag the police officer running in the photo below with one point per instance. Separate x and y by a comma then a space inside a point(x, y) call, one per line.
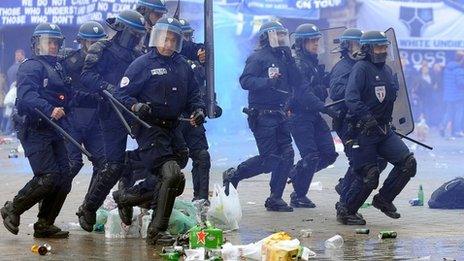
point(158, 87)
point(82, 122)
point(104, 67)
point(370, 95)
point(269, 74)
point(309, 130)
point(42, 85)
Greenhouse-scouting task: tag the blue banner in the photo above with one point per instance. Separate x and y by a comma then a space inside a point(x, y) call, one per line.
point(62, 12)
point(309, 9)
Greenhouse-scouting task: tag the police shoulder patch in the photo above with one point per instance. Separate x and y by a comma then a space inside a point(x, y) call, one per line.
point(124, 82)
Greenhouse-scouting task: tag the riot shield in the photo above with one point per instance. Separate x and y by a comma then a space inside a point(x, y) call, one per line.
point(402, 114)
point(327, 56)
point(328, 43)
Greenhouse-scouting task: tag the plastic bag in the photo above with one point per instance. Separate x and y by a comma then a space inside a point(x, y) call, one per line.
point(114, 228)
point(183, 218)
point(449, 196)
point(102, 218)
point(225, 211)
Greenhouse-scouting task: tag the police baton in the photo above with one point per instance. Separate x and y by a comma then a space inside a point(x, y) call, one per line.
point(334, 103)
point(413, 140)
point(64, 133)
point(121, 118)
point(135, 117)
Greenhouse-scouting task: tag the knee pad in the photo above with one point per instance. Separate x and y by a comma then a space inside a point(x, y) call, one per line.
point(371, 176)
point(202, 158)
point(409, 166)
point(48, 181)
point(171, 174)
point(311, 160)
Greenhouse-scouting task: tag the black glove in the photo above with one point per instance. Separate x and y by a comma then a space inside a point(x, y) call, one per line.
point(331, 112)
point(367, 124)
point(198, 116)
point(142, 110)
point(109, 87)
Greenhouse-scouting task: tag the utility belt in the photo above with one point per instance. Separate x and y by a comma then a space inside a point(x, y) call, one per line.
point(166, 124)
point(254, 112)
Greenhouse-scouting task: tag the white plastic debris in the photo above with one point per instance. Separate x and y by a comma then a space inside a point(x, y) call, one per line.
point(335, 242)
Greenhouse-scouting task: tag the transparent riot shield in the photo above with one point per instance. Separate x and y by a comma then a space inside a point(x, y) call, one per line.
point(329, 41)
point(402, 114)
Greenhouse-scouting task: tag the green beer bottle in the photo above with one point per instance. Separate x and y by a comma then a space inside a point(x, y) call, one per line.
point(420, 196)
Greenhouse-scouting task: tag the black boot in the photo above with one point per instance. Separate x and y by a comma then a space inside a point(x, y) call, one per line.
point(10, 218)
point(300, 202)
point(125, 212)
point(346, 218)
point(277, 204)
point(228, 178)
point(87, 218)
point(159, 238)
point(386, 207)
point(44, 230)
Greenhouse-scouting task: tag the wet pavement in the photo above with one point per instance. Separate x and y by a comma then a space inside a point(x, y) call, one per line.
point(423, 233)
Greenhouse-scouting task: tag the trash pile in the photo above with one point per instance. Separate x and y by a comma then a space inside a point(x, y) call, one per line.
point(207, 243)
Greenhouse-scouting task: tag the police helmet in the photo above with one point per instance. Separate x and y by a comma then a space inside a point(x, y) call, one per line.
point(130, 26)
point(43, 34)
point(91, 31)
point(187, 30)
point(273, 34)
point(303, 33)
point(371, 39)
point(145, 7)
point(167, 34)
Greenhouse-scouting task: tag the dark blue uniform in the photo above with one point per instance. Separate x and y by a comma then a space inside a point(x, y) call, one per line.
point(195, 137)
point(309, 130)
point(82, 121)
point(267, 99)
point(42, 84)
point(339, 79)
point(104, 66)
point(168, 86)
point(370, 94)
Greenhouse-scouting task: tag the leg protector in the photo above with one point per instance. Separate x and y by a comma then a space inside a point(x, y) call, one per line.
point(52, 203)
point(279, 176)
point(365, 182)
point(398, 178)
point(200, 173)
point(303, 173)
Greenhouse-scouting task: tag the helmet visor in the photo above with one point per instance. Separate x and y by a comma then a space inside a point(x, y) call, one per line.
point(48, 45)
point(131, 38)
point(278, 38)
point(166, 37)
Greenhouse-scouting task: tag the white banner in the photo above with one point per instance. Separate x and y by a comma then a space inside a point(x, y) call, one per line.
point(425, 26)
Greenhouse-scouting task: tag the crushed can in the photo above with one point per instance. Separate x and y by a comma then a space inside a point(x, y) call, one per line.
point(362, 231)
point(208, 237)
point(387, 234)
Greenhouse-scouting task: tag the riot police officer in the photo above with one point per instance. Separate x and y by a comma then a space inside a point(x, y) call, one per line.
point(370, 95)
point(43, 86)
point(158, 87)
point(350, 50)
point(191, 50)
point(104, 67)
point(309, 130)
point(269, 74)
point(195, 137)
point(82, 123)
